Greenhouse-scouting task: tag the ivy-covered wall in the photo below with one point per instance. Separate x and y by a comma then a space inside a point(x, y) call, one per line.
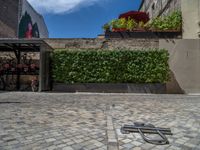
point(116, 66)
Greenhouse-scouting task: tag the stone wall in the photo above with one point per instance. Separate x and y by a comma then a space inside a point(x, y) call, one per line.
point(111, 44)
point(8, 18)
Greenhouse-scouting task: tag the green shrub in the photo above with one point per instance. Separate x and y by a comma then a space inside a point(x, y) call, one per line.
point(131, 24)
point(170, 22)
point(100, 66)
point(118, 23)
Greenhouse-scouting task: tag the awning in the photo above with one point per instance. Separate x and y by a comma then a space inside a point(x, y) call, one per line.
point(136, 15)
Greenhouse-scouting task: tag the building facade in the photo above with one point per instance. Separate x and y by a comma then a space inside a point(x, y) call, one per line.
point(8, 18)
point(18, 19)
point(190, 10)
point(157, 8)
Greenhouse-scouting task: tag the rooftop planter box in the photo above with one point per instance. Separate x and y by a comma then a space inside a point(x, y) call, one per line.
point(143, 34)
point(160, 27)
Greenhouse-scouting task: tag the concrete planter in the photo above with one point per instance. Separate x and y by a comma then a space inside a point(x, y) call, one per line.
point(155, 88)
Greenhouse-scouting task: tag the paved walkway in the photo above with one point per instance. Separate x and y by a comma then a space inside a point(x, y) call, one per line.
point(92, 121)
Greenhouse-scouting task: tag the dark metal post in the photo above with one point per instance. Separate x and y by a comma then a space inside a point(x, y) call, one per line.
point(18, 71)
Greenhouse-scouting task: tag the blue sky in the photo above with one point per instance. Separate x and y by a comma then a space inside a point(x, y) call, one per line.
point(80, 18)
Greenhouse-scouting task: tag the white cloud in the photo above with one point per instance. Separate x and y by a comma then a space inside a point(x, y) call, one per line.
point(60, 6)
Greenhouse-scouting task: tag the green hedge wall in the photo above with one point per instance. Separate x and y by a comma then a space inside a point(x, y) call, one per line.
point(101, 66)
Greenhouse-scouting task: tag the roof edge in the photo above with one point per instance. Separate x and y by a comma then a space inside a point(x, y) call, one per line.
point(141, 4)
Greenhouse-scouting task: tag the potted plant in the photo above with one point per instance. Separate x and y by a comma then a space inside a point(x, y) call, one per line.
point(131, 24)
point(118, 25)
point(140, 26)
point(106, 27)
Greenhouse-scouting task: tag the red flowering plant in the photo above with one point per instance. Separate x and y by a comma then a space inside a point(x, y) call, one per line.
point(137, 16)
point(7, 66)
point(33, 66)
point(20, 67)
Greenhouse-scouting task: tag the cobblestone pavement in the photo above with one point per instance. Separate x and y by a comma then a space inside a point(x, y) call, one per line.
point(92, 121)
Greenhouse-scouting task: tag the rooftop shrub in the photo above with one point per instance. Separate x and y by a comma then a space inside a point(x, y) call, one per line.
point(170, 22)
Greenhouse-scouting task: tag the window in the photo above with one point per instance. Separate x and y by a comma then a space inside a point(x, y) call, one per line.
point(153, 6)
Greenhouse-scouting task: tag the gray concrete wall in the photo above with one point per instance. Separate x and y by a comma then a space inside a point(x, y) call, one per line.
point(191, 19)
point(184, 63)
point(103, 43)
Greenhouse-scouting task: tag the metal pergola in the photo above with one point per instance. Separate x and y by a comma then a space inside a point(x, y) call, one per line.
point(31, 45)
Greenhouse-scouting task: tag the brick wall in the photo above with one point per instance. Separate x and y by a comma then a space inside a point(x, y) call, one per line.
point(103, 43)
point(8, 18)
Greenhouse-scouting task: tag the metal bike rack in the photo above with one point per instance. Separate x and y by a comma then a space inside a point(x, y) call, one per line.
point(143, 129)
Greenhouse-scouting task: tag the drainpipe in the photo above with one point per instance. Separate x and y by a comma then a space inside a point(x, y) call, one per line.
point(198, 19)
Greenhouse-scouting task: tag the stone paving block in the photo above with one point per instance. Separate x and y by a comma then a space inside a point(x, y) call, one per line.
point(70, 143)
point(136, 143)
point(61, 145)
point(53, 119)
point(128, 145)
point(126, 140)
point(66, 140)
point(90, 147)
point(53, 147)
point(13, 142)
point(147, 146)
point(137, 148)
point(77, 146)
point(50, 140)
point(67, 148)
